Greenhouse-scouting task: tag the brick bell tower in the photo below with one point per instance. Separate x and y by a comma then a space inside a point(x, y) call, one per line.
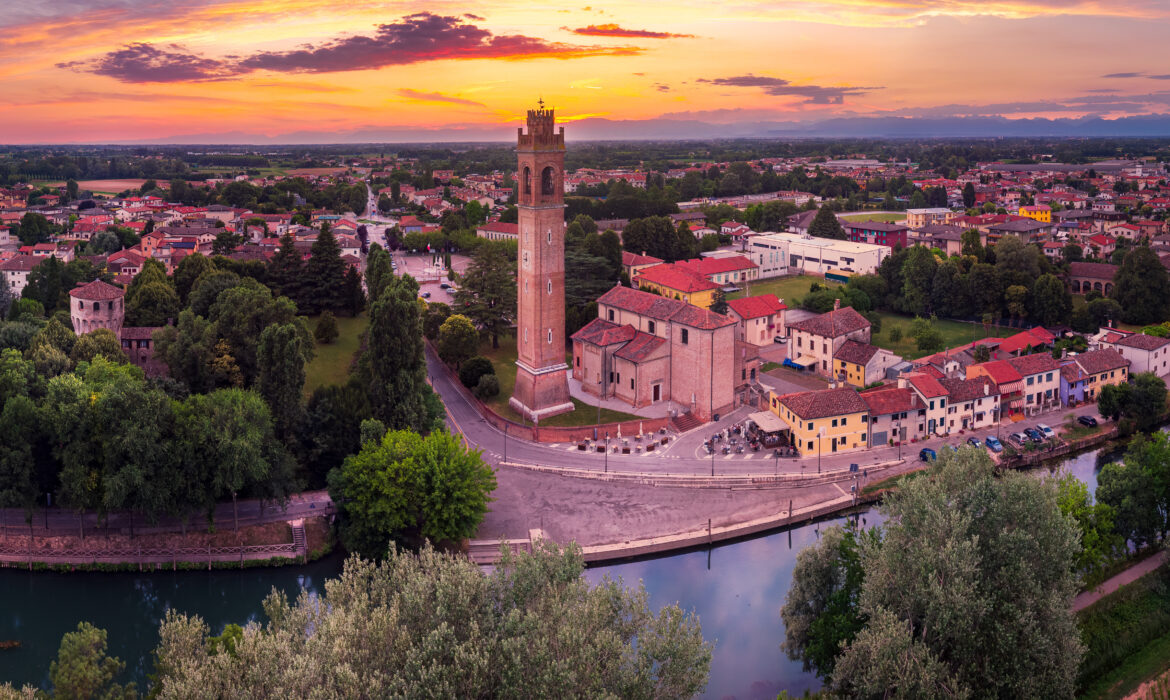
point(542, 386)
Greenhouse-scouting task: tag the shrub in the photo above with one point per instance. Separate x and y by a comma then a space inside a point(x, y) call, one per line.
point(473, 369)
point(326, 331)
point(895, 334)
point(488, 387)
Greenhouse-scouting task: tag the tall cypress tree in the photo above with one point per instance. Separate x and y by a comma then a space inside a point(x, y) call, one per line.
point(325, 275)
point(825, 225)
point(393, 359)
point(282, 377)
point(286, 271)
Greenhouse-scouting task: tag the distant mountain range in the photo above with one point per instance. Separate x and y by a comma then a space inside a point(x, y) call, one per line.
point(595, 129)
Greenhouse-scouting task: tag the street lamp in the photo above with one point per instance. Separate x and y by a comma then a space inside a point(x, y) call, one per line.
point(607, 452)
point(898, 436)
point(820, 439)
point(505, 441)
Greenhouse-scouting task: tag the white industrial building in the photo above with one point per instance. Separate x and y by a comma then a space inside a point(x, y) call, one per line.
point(779, 254)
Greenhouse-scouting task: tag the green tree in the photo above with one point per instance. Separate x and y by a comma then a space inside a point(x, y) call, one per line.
point(918, 274)
point(474, 368)
point(190, 269)
point(153, 304)
point(379, 272)
point(1099, 539)
point(82, 668)
point(948, 293)
point(286, 270)
point(98, 343)
point(282, 376)
point(487, 291)
point(972, 242)
point(1141, 287)
point(352, 292)
point(533, 627)
point(34, 228)
point(1015, 298)
point(1142, 400)
point(241, 314)
point(47, 284)
point(956, 544)
point(326, 330)
point(926, 337)
point(458, 340)
point(825, 225)
point(437, 312)
point(1051, 301)
point(1016, 263)
point(333, 419)
point(226, 242)
point(324, 276)
point(968, 195)
point(1072, 253)
point(820, 612)
point(652, 235)
point(393, 361)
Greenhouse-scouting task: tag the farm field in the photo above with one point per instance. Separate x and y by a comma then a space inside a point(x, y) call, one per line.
point(109, 186)
point(308, 172)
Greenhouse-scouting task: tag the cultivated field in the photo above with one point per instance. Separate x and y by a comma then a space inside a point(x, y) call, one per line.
point(110, 186)
point(309, 172)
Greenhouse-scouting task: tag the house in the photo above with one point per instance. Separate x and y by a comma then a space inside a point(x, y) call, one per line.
point(934, 398)
point(917, 218)
point(893, 415)
point(779, 254)
point(1053, 250)
point(877, 233)
point(1039, 212)
point(947, 238)
point(759, 319)
point(814, 341)
point(1086, 276)
point(861, 364)
point(15, 272)
point(674, 281)
point(632, 263)
point(973, 403)
point(1027, 230)
point(1008, 383)
point(1102, 368)
point(723, 270)
point(1101, 246)
point(1073, 383)
point(644, 348)
point(824, 422)
point(496, 231)
point(737, 231)
point(1146, 353)
point(799, 223)
point(1041, 375)
point(1124, 230)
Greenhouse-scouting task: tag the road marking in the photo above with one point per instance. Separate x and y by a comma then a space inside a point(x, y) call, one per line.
point(839, 489)
point(729, 456)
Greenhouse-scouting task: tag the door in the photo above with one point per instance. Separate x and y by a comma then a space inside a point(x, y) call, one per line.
point(657, 392)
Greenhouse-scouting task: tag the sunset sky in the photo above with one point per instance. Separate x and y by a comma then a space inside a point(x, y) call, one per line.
point(133, 70)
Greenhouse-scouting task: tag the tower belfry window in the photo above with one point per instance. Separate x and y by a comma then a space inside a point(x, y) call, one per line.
point(527, 180)
point(548, 181)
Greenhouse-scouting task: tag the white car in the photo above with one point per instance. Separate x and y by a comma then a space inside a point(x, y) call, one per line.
point(1046, 431)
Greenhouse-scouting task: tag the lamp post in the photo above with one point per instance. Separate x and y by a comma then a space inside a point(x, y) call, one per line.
point(898, 437)
point(820, 439)
point(505, 441)
point(607, 452)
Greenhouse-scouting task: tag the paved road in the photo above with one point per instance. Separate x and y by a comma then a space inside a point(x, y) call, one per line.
point(1133, 573)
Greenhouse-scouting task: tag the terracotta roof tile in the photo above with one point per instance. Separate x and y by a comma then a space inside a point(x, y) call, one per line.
point(1141, 341)
point(602, 332)
point(882, 402)
point(1098, 361)
point(97, 290)
point(825, 403)
point(1033, 364)
point(675, 277)
point(640, 348)
point(968, 389)
point(833, 324)
point(855, 352)
point(757, 306)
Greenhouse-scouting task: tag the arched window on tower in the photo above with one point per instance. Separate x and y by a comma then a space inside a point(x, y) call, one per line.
point(527, 180)
point(548, 181)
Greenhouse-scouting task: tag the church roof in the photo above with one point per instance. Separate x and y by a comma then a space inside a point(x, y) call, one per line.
point(97, 290)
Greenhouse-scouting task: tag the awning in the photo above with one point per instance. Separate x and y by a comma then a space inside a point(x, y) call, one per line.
point(768, 422)
point(804, 361)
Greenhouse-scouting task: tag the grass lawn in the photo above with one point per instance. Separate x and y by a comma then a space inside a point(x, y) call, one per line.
point(504, 360)
point(884, 218)
point(787, 288)
point(954, 333)
point(1126, 636)
point(331, 363)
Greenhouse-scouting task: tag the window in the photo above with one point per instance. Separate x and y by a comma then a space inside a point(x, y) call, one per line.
point(650, 326)
point(1030, 381)
point(578, 360)
point(550, 336)
point(631, 383)
point(550, 286)
point(548, 181)
point(609, 313)
point(550, 236)
point(685, 336)
point(834, 422)
point(810, 426)
point(527, 180)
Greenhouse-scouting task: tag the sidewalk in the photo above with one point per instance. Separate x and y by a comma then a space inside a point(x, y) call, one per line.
point(654, 410)
point(1133, 573)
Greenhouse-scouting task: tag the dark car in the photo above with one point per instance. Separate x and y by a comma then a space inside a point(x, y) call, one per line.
point(1034, 435)
point(1087, 421)
point(927, 455)
point(974, 442)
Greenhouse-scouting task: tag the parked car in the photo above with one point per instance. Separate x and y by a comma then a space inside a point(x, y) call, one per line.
point(974, 442)
point(927, 455)
point(425, 295)
point(444, 285)
point(1047, 432)
point(1087, 421)
point(780, 339)
point(1034, 435)
point(993, 443)
point(1018, 438)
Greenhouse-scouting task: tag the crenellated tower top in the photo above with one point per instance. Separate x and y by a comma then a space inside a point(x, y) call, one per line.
point(541, 135)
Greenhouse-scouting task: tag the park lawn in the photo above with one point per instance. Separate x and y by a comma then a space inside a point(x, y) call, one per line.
point(884, 218)
point(331, 363)
point(954, 333)
point(790, 289)
point(504, 360)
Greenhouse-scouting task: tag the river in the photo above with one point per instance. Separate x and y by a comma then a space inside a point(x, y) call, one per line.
point(736, 589)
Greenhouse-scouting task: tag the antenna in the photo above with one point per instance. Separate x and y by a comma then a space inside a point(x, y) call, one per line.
point(540, 102)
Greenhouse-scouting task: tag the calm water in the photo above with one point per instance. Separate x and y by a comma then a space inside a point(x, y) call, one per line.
point(736, 589)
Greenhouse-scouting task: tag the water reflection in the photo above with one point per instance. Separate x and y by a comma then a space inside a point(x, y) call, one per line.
point(738, 601)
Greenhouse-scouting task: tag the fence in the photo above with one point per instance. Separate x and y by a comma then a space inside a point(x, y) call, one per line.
point(17, 554)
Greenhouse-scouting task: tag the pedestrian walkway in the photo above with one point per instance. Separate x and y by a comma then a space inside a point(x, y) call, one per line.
point(1133, 573)
point(654, 410)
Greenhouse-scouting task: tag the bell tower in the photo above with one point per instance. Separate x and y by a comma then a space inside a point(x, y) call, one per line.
point(542, 386)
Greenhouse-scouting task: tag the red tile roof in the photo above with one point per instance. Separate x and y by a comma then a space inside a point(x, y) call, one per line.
point(640, 348)
point(1102, 271)
point(969, 389)
point(832, 324)
point(855, 352)
point(675, 277)
point(1000, 371)
point(824, 403)
point(715, 266)
point(927, 385)
point(602, 332)
point(97, 290)
point(497, 227)
point(1141, 341)
point(1033, 364)
point(633, 259)
point(757, 306)
point(1098, 361)
point(883, 402)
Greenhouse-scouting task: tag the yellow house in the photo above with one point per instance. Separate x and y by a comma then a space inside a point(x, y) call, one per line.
point(1104, 368)
point(860, 364)
point(676, 282)
point(824, 422)
point(1039, 212)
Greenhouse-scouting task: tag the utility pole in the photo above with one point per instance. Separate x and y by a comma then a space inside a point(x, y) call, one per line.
point(607, 452)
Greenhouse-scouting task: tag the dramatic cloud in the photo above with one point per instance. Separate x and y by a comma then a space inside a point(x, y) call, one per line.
point(437, 97)
point(615, 30)
point(1138, 74)
point(413, 39)
point(146, 63)
point(814, 94)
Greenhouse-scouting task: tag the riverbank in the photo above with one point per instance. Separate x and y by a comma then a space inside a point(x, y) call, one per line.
point(270, 544)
